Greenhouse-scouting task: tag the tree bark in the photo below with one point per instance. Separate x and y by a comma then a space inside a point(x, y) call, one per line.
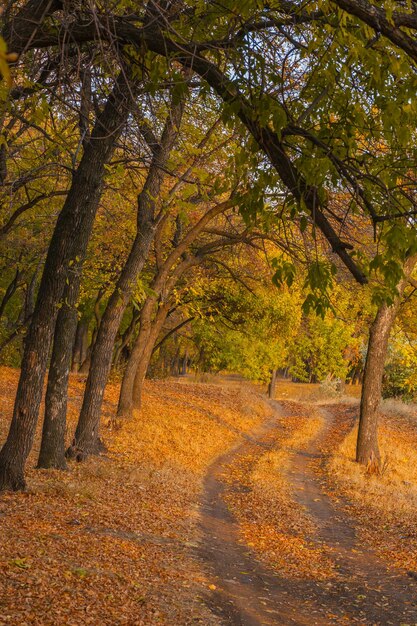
point(86, 439)
point(76, 217)
point(80, 345)
point(184, 365)
point(10, 290)
point(125, 405)
point(52, 452)
point(126, 337)
point(146, 354)
point(272, 384)
point(367, 448)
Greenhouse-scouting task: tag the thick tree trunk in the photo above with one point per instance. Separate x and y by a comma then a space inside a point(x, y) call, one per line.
point(367, 449)
point(52, 452)
point(272, 384)
point(76, 217)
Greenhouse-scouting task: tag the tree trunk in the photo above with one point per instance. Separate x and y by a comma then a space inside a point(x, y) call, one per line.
point(76, 217)
point(184, 365)
point(146, 356)
point(137, 366)
point(10, 290)
point(125, 338)
point(80, 345)
point(52, 452)
point(125, 406)
point(272, 384)
point(367, 449)
point(86, 440)
point(30, 300)
point(85, 363)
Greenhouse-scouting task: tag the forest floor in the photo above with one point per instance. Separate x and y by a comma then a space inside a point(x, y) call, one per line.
point(215, 507)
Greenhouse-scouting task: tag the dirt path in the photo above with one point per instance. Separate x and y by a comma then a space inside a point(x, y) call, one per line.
point(249, 594)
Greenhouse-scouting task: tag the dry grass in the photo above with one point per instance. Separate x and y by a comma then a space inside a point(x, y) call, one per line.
point(110, 542)
point(386, 504)
point(397, 408)
point(315, 393)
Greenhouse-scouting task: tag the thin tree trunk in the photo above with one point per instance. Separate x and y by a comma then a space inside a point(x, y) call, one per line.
point(125, 405)
point(175, 363)
point(367, 449)
point(10, 290)
point(80, 345)
point(184, 364)
point(85, 363)
point(30, 300)
point(146, 355)
point(126, 337)
point(272, 384)
point(76, 217)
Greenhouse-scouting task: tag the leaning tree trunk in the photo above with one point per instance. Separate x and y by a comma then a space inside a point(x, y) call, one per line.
point(146, 356)
point(137, 366)
point(86, 439)
point(367, 449)
point(129, 398)
point(76, 217)
point(125, 405)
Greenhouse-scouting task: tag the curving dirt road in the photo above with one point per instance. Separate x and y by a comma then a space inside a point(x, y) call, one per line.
point(249, 594)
